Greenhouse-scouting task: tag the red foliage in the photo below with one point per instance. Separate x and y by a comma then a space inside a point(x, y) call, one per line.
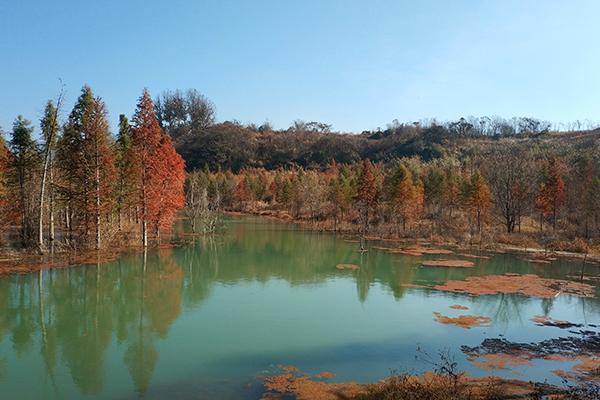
point(157, 168)
point(552, 195)
point(367, 187)
point(240, 190)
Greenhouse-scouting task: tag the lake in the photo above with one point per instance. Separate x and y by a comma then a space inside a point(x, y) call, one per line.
point(209, 319)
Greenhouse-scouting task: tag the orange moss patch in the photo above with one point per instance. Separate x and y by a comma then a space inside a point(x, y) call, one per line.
point(459, 307)
point(538, 261)
point(325, 375)
point(477, 256)
point(448, 263)
point(528, 285)
point(436, 251)
point(288, 369)
point(302, 387)
point(586, 369)
point(347, 266)
point(499, 361)
point(406, 252)
point(464, 321)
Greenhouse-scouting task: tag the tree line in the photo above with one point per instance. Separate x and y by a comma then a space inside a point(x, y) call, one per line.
point(83, 188)
point(508, 190)
point(189, 118)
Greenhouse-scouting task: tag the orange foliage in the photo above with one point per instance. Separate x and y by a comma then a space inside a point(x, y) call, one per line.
point(552, 196)
point(157, 168)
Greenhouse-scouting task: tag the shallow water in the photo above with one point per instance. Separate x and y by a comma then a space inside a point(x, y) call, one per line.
point(207, 320)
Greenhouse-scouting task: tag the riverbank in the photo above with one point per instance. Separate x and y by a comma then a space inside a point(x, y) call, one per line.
point(515, 243)
point(29, 260)
point(432, 385)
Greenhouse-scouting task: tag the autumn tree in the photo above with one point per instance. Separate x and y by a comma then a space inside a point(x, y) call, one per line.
point(157, 169)
point(24, 164)
point(434, 195)
point(339, 196)
point(477, 198)
point(366, 198)
point(167, 186)
point(406, 197)
point(551, 196)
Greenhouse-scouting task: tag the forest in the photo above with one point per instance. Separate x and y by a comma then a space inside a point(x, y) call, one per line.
point(78, 187)
point(471, 181)
point(489, 180)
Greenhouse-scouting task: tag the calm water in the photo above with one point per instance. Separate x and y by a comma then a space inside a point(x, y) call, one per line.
point(207, 320)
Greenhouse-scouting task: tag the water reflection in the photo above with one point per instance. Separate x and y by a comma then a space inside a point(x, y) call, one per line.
point(72, 320)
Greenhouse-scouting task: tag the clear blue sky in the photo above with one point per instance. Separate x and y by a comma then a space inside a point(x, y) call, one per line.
point(355, 64)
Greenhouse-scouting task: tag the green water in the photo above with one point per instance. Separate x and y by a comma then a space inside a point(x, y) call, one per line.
point(209, 319)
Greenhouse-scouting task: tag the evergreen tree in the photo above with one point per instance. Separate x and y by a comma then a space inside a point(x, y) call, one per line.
point(124, 166)
point(71, 165)
point(24, 162)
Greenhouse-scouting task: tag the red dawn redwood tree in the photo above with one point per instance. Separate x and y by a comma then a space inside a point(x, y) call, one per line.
point(158, 170)
point(169, 191)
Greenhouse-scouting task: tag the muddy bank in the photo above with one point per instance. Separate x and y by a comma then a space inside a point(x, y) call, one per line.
point(292, 383)
point(24, 263)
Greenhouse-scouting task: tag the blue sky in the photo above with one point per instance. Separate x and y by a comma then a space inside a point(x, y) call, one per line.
point(354, 64)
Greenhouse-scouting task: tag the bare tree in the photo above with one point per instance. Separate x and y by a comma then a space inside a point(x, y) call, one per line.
point(510, 181)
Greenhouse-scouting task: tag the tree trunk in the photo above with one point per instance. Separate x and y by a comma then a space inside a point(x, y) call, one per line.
point(98, 243)
point(51, 204)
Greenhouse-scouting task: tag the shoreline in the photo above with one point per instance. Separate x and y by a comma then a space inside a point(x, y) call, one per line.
point(498, 248)
point(29, 261)
point(440, 385)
